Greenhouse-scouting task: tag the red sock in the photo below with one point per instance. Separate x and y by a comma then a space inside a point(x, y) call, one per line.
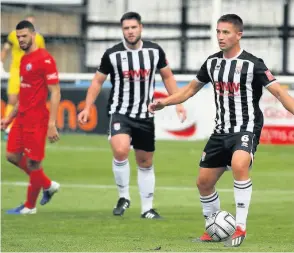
point(23, 165)
point(38, 180)
point(32, 195)
point(41, 178)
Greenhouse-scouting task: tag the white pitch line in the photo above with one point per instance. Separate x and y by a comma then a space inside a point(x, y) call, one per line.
point(56, 148)
point(164, 188)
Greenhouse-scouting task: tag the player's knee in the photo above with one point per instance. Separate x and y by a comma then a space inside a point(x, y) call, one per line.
point(144, 163)
point(12, 158)
point(121, 153)
point(204, 184)
point(240, 167)
point(33, 165)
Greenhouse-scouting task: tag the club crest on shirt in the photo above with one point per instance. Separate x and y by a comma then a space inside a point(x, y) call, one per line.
point(28, 66)
point(116, 126)
point(269, 75)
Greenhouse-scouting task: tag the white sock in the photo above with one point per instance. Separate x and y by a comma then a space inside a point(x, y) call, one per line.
point(242, 193)
point(146, 183)
point(210, 204)
point(121, 171)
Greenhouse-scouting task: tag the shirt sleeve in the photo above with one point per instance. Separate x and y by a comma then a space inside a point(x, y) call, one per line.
point(202, 76)
point(51, 72)
point(105, 65)
point(162, 62)
point(262, 74)
point(10, 38)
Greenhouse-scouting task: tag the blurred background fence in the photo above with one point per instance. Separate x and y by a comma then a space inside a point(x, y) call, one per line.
point(78, 31)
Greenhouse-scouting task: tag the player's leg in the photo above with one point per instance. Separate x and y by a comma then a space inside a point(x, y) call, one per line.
point(144, 145)
point(120, 144)
point(243, 151)
point(206, 181)
point(14, 154)
point(212, 166)
point(15, 150)
point(12, 94)
point(34, 151)
point(146, 182)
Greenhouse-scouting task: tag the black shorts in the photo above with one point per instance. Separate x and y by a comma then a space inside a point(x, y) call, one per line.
point(141, 131)
point(219, 149)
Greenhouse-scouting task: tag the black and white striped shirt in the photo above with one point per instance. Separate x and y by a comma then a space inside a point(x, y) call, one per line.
point(238, 84)
point(132, 75)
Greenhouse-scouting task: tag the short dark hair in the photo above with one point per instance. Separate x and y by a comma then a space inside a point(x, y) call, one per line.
point(25, 24)
point(233, 19)
point(131, 15)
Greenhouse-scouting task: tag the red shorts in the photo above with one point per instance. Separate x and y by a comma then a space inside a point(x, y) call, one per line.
point(29, 137)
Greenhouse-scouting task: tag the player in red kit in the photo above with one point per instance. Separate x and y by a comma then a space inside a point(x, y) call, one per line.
point(33, 122)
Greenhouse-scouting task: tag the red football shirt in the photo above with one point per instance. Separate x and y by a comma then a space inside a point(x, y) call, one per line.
point(37, 70)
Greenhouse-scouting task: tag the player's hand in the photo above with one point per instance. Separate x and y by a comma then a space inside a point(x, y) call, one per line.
point(5, 123)
point(182, 113)
point(156, 106)
point(2, 70)
point(52, 133)
point(83, 116)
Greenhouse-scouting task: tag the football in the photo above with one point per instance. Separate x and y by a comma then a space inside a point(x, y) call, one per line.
point(220, 226)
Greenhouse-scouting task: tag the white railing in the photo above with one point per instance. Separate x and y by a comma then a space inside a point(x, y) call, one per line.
point(183, 78)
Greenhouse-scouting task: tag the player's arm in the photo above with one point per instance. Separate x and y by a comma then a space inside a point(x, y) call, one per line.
point(180, 96)
point(5, 50)
point(94, 89)
point(166, 73)
point(7, 46)
point(183, 93)
point(168, 80)
point(6, 121)
point(55, 97)
point(52, 80)
point(263, 76)
point(13, 114)
point(171, 86)
point(282, 95)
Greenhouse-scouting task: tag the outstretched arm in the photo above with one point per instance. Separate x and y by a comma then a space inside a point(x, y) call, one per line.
point(179, 97)
point(184, 93)
point(283, 96)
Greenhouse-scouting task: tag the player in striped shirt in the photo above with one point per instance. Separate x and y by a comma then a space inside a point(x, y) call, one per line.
point(132, 64)
point(238, 78)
